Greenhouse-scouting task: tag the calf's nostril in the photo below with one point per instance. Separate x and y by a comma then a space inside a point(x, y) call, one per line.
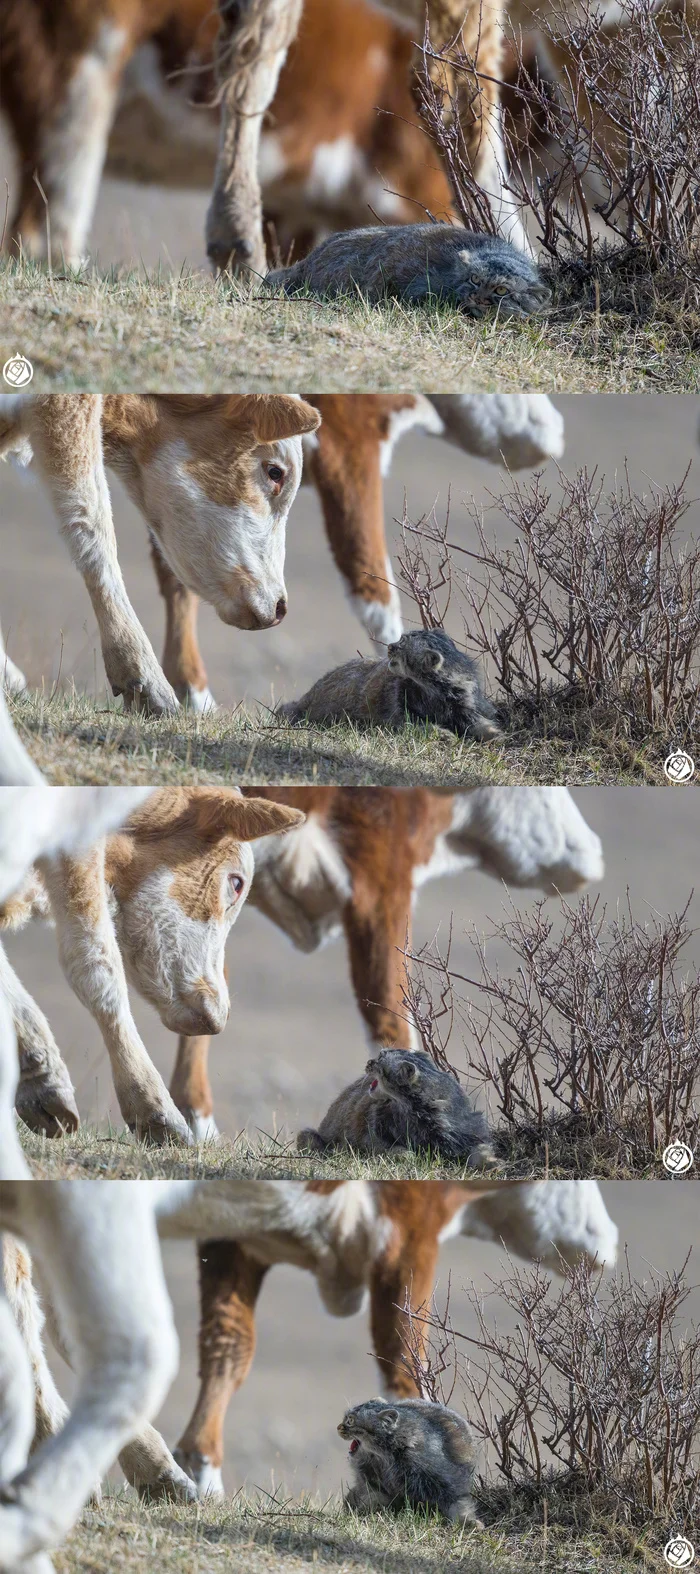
point(280, 610)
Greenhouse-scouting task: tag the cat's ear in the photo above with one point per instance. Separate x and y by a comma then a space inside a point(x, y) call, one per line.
point(433, 660)
point(390, 1420)
point(410, 1073)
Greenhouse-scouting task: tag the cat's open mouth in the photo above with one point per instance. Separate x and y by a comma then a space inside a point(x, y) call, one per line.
point(374, 1084)
point(354, 1445)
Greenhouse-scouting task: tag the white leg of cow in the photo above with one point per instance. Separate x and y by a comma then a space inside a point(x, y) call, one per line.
point(13, 1165)
point(252, 48)
point(100, 1256)
point(16, 767)
point(16, 1396)
point(11, 679)
point(50, 1412)
point(84, 510)
point(515, 430)
point(529, 836)
point(76, 143)
point(149, 1467)
point(493, 176)
point(92, 962)
point(45, 1097)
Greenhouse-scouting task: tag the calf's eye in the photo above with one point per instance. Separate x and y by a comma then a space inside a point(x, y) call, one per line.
point(236, 883)
point(276, 474)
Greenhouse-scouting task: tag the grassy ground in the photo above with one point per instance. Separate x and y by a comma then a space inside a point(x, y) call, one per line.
point(73, 740)
point(110, 1155)
point(123, 330)
point(285, 1537)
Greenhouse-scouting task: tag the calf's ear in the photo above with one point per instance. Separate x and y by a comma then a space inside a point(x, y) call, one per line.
point(223, 812)
point(271, 417)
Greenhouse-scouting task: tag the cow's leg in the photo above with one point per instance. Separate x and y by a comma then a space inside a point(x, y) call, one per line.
point(50, 1412)
point(478, 29)
point(66, 436)
point(190, 1087)
point(230, 1283)
point(45, 1097)
point(346, 466)
point(406, 1275)
point(376, 924)
point(182, 660)
point(16, 767)
point(12, 1161)
point(59, 95)
point(92, 962)
point(11, 679)
point(99, 1253)
point(252, 47)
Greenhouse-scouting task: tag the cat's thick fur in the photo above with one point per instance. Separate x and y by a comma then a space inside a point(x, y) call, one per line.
point(416, 262)
point(404, 1101)
point(411, 1451)
point(424, 677)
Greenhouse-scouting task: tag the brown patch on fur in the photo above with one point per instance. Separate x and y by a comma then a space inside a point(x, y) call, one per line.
point(30, 901)
point(222, 430)
point(83, 886)
point(346, 467)
point(230, 1282)
point(193, 832)
point(182, 662)
point(189, 1086)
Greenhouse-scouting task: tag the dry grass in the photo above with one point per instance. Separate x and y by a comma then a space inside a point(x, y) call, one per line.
point(285, 1536)
point(75, 741)
point(127, 329)
point(106, 1154)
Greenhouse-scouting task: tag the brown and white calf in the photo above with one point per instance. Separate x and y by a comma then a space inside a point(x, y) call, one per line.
point(214, 477)
point(100, 1262)
point(153, 905)
point(355, 867)
point(347, 459)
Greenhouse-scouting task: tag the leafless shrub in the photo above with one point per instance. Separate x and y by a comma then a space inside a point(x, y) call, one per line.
point(590, 1040)
point(622, 130)
point(596, 1392)
point(597, 602)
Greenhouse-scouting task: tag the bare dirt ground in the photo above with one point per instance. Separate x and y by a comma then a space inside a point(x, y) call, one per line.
point(309, 1367)
point(50, 630)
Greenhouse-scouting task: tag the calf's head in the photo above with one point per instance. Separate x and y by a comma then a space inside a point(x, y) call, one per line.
point(216, 477)
point(180, 873)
